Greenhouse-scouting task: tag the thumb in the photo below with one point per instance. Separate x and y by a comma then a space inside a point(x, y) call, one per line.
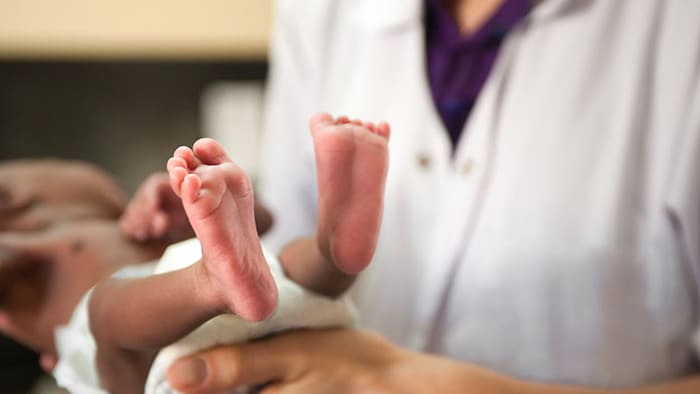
point(234, 366)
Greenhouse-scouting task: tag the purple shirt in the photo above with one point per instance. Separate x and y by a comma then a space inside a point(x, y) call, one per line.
point(459, 65)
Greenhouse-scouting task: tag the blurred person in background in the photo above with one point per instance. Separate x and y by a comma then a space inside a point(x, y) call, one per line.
point(66, 224)
point(542, 223)
point(59, 233)
point(35, 195)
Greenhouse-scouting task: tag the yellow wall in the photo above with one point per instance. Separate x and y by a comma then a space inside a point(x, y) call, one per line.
point(141, 29)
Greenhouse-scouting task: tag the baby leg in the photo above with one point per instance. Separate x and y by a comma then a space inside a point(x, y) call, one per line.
point(352, 161)
point(218, 199)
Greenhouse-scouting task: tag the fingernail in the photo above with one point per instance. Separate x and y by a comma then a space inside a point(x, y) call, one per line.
point(188, 372)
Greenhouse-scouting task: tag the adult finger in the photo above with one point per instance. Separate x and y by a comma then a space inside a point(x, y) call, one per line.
point(234, 366)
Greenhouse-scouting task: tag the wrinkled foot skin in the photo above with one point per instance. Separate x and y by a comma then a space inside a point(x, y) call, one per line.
point(218, 199)
point(352, 160)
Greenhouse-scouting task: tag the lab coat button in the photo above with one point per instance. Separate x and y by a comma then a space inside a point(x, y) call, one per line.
point(424, 160)
point(467, 167)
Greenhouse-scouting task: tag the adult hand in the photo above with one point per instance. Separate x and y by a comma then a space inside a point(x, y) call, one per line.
point(327, 361)
point(349, 361)
point(155, 212)
point(338, 361)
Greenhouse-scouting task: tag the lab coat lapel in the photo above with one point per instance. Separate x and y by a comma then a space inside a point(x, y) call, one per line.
point(467, 180)
point(444, 192)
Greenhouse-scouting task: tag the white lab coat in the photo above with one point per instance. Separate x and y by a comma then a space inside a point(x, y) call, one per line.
point(559, 243)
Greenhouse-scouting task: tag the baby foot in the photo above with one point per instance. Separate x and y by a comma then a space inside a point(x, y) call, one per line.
point(218, 199)
point(351, 161)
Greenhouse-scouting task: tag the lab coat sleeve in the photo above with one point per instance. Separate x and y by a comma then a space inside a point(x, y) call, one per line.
point(287, 183)
point(685, 195)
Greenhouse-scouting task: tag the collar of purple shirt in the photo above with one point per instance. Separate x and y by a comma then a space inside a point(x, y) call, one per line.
point(459, 65)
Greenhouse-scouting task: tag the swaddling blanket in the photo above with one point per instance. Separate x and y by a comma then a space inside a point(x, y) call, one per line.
point(297, 308)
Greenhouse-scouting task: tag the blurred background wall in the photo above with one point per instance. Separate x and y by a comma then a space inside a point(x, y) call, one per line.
point(121, 83)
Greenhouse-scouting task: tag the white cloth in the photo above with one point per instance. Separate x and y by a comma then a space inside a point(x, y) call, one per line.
point(560, 242)
point(297, 308)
